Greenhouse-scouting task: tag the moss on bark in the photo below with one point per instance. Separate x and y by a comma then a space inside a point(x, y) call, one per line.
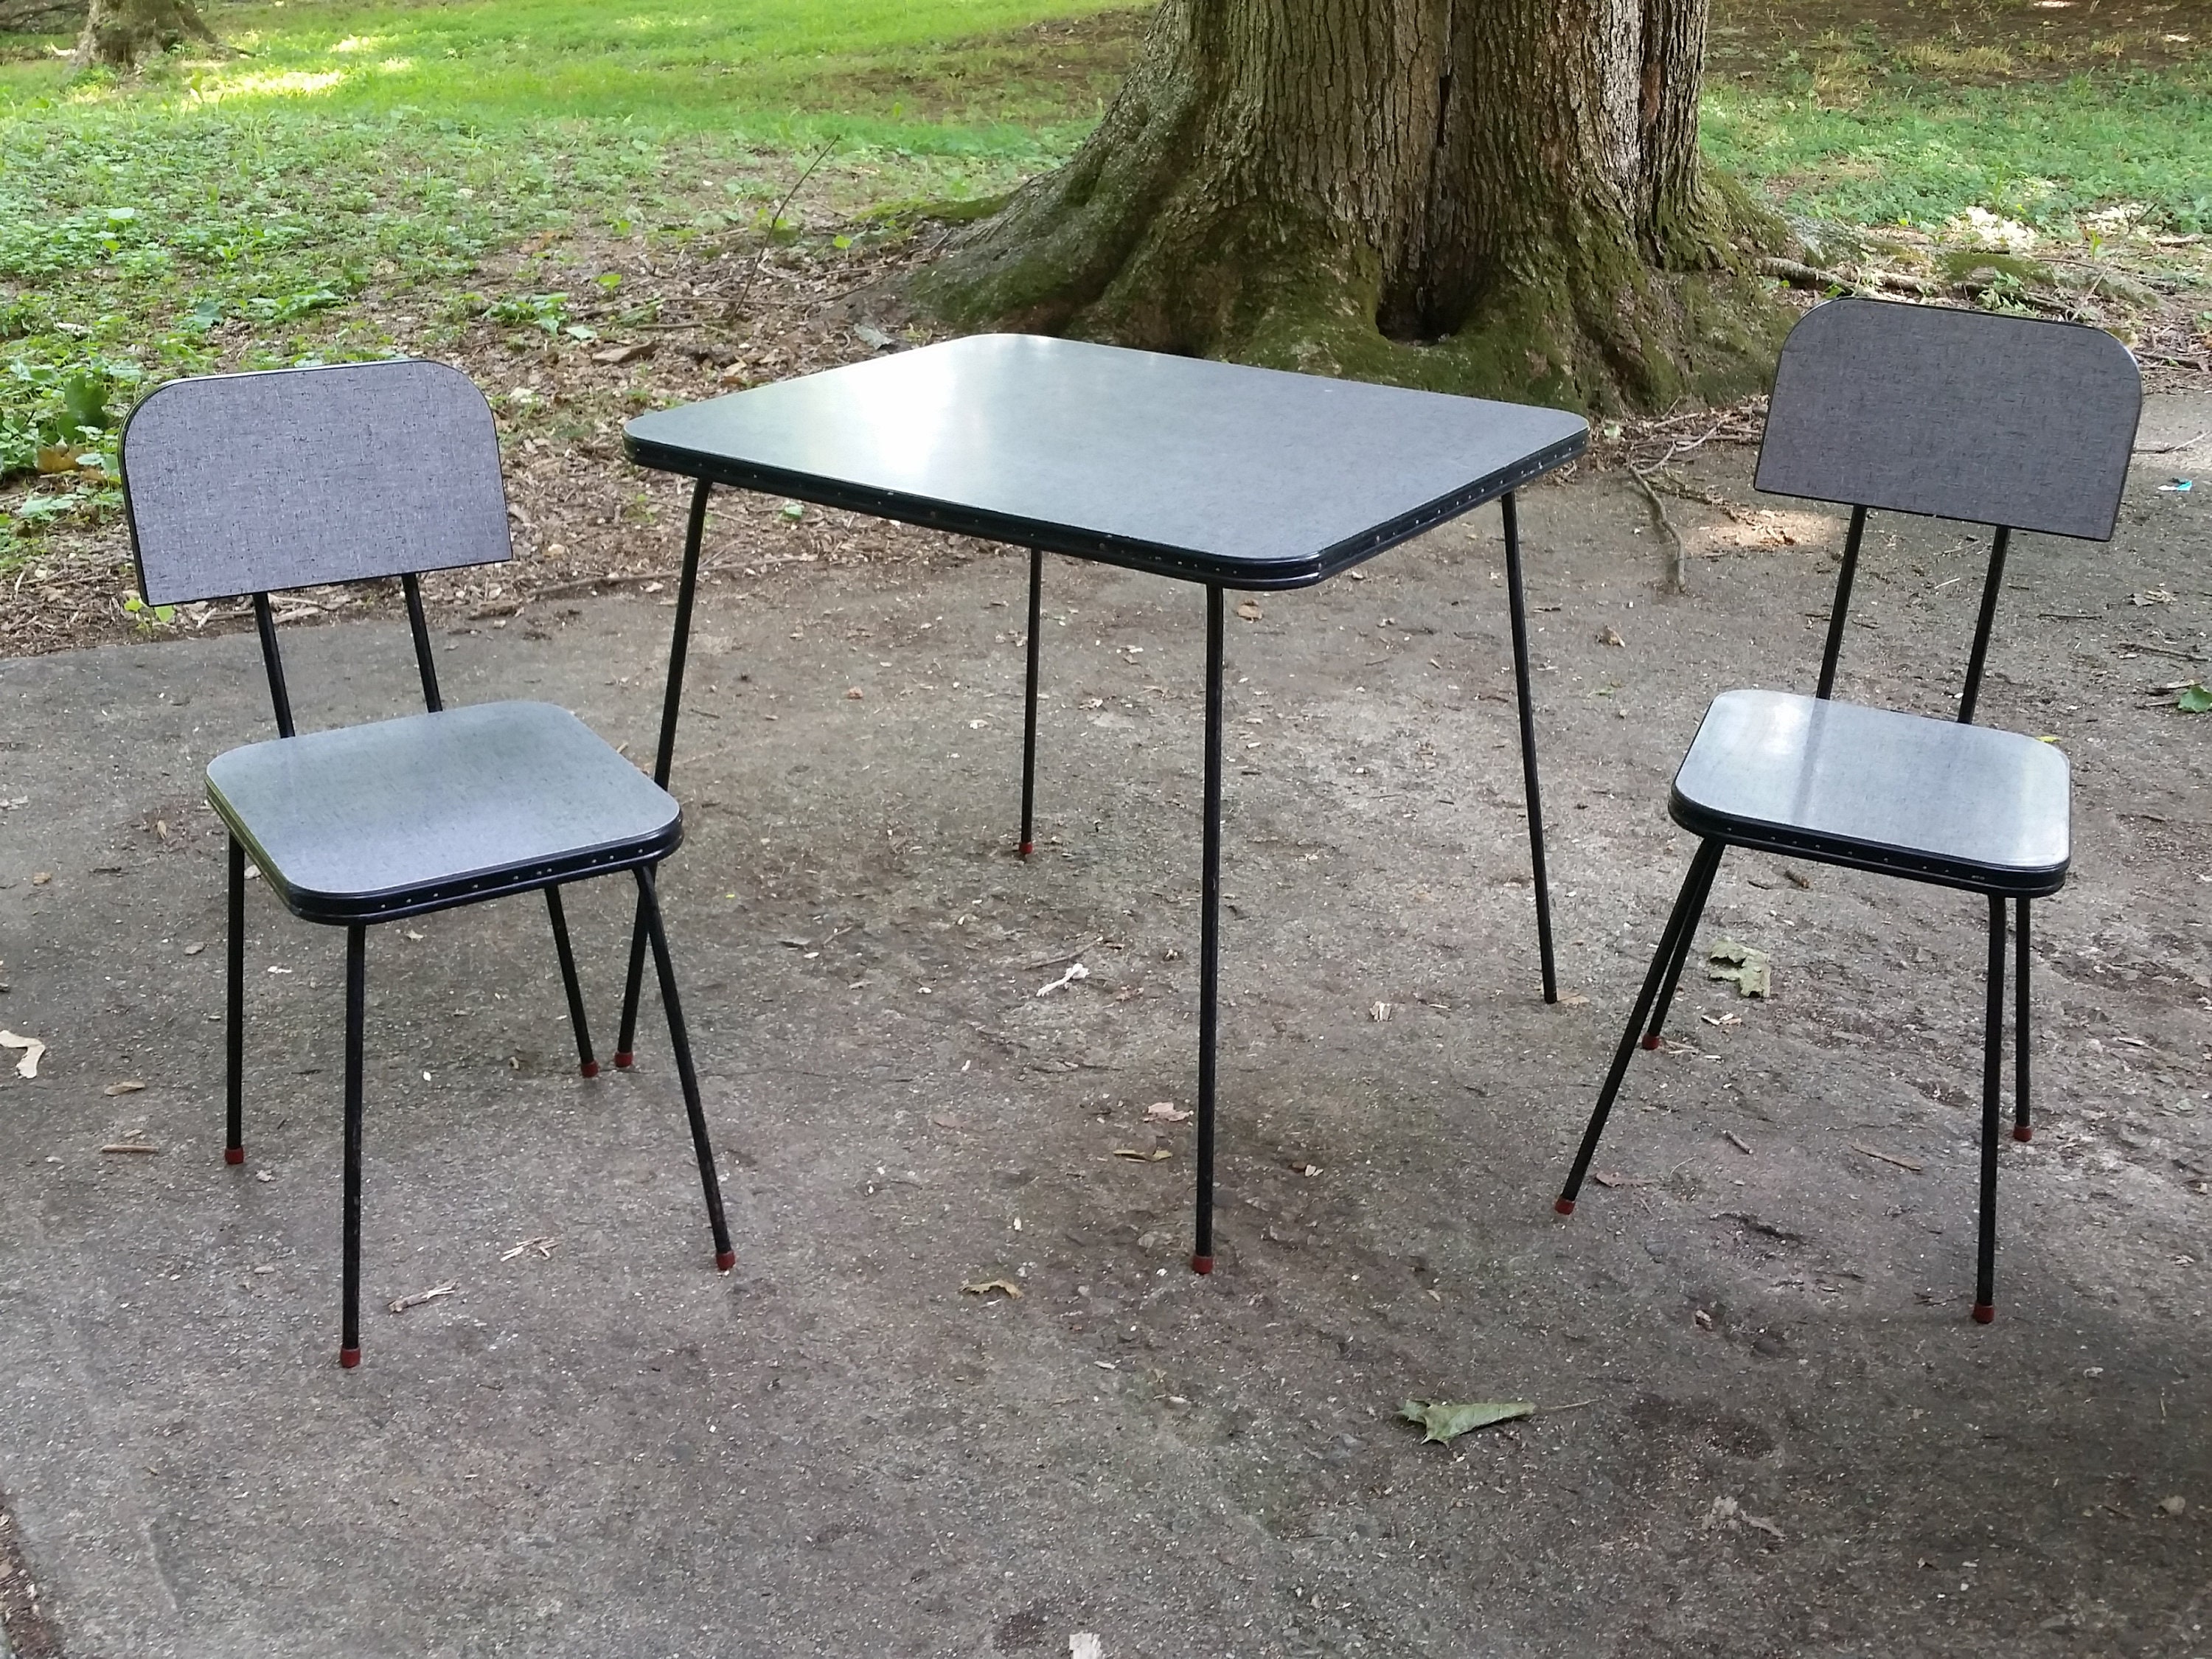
point(1321, 198)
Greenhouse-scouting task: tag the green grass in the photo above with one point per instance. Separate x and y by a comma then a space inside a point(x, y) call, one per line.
point(2043, 153)
point(390, 148)
point(394, 147)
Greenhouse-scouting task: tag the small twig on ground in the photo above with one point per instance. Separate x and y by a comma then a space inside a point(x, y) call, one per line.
point(2171, 449)
point(744, 286)
point(1675, 581)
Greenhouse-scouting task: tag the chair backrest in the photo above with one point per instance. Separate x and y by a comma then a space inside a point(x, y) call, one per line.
point(2001, 421)
point(243, 484)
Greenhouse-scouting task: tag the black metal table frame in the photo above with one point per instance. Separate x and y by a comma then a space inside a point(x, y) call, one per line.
point(803, 487)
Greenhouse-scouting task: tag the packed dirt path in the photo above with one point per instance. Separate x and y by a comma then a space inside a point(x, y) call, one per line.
point(1767, 1425)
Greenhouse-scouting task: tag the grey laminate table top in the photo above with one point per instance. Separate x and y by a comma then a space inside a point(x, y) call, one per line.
point(1209, 472)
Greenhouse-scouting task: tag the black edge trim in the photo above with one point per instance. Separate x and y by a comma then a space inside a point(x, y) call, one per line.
point(1935, 872)
point(1154, 558)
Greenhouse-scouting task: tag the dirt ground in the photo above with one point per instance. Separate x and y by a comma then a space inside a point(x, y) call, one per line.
point(1766, 1424)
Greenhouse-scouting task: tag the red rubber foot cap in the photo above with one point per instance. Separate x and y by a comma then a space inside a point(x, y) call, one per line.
point(622, 1059)
point(1985, 1312)
point(1201, 1264)
point(1028, 847)
point(1652, 1042)
point(1564, 1206)
point(348, 1358)
point(2022, 1131)
point(591, 1068)
point(233, 1154)
point(727, 1260)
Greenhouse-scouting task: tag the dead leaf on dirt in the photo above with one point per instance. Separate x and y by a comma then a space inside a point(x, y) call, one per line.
point(624, 353)
point(34, 1052)
point(1165, 1111)
point(1138, 1156)
point(1248, 609)
point(1574, 999)
point(128, 1086)
point(1610, 635)
point(1887, 1157)
point(985, 1286)
point(1447, 1419)
point(1752, 972)
point(401, 1305)
point(1308, 1170)
point(40, 878)
point(946, 1121)
point(56, 457)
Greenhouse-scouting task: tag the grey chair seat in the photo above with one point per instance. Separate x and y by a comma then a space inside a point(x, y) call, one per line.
point(1933, 800)
point(367, 822)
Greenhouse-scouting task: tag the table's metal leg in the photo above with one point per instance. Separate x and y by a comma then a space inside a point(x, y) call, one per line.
point(1517, 600)
point(1029, 705)
point(1209, 938)
point(687, 585)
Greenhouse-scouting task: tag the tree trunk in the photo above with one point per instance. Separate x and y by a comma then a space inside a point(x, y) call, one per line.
point(1490, 196)
point(118, 33)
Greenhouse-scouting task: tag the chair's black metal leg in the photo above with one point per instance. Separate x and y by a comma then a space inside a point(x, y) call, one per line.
point(648, 907)
point(687, 588)
point(1209, 938)
point(626, 1037)
point(560, 919)
point(1985, 1259)
point(233, 1145)
point(1683, 919)
point(1517, 603)
point(356, 997)
point(2021, 1128)
point(1683, 939)
point(1029, 704)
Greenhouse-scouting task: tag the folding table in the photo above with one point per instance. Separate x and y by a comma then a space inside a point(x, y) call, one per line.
point(1212, 473)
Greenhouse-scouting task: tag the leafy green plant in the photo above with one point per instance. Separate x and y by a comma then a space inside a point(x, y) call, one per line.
point(149, 617)
point(2194, 698)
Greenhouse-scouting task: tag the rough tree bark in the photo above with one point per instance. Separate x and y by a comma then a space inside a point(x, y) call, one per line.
point(119, 33)
point(1493, 196)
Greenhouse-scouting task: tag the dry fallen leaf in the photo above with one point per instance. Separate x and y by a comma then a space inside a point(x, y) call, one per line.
point(946, 1121)
point(1139, 1156)
point(985, 1286)
point(1445, 1421)
point(1308, 1170)
point(1248, 609)
point(128, 1086)
point(623, 353)
point(1610, 635)
point(39, 878)
point(34, 1052)
point(854, 693)
point(1165, 1111)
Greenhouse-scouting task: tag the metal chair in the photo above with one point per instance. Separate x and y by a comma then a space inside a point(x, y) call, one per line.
point(1999, 420)
point(242, 483)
